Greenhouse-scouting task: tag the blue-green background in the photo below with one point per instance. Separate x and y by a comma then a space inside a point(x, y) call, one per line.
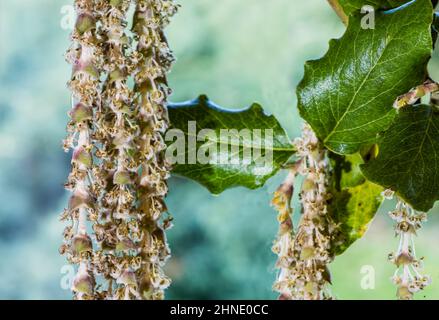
point(237, 52)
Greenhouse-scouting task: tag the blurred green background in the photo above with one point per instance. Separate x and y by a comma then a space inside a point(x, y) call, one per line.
point(237, 52)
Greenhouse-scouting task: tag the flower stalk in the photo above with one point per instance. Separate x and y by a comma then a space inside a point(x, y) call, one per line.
point(429, 87)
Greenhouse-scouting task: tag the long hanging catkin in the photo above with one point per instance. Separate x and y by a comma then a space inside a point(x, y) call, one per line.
point(119, 171)
point(303, 257)
point(152, 62)
point(407, 276)
point(86, 57)
point(118, 260)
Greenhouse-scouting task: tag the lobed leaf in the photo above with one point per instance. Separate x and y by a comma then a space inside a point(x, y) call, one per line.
point(226, 168)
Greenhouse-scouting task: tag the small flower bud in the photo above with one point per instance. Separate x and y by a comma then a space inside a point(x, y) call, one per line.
point(125, 244)
point(308, 185)
point(79, 199)
point(283, 216)
point(81, 112)
point(121, 139)
point(403, 258)
point(281, 201)
point(91, 70)
point(161, 283)
point(81, 243)
point(82, 156)
point(117, 75)
point(115, 3)
point(406, 227)
point(122, 178)
point(307, 253)
point(127, 278)
point(85, 23)
point(311, 288)
point(404, 293)
point(83, 283)
point(286, 226)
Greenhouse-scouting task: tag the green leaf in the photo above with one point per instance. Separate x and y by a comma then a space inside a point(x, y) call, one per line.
point(353, 209)
point(408, 157)
point(350, 6)
point(347, 170)
point(347, 95)
point(250, 131)
point(354, 202)
point(344, 8)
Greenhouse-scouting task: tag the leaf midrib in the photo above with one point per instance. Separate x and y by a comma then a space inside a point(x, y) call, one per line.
point(292, 149)
point(366, 78)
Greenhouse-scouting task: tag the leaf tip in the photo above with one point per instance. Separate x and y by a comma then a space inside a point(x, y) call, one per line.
point(203, 98)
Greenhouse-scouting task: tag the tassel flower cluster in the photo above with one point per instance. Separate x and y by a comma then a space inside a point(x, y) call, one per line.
point(407, 277)
point(304, 255)
point(118, 180)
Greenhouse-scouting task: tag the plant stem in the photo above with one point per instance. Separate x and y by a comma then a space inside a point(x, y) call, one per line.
point(339, 10)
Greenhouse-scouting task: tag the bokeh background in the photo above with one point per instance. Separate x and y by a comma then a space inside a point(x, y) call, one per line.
point(237, 52)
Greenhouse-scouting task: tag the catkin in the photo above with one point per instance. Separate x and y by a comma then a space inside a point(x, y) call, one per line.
point(119, 171)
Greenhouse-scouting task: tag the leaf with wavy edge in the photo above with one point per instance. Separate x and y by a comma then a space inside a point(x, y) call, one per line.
point(214, 175)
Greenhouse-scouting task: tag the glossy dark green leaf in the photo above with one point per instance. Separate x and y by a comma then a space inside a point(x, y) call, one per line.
point(347, 95)
point(350, 6)
point(247, 157)
point(408, 157)
point(354, 202)
point(344, 8)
